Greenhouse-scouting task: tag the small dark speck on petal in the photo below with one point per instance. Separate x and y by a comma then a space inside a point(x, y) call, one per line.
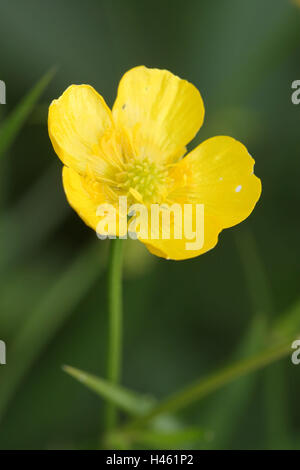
point(124, 106)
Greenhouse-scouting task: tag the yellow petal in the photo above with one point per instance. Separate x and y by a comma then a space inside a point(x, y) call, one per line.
point(85, 196)
point(79, 197)
point(160, 112)
point(78, 121)
point(218, 174)
point(177, 249)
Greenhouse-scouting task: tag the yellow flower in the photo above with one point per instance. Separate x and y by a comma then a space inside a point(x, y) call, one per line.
point(137, 149)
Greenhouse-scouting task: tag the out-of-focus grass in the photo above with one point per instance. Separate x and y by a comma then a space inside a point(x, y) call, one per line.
point(13, 123)
point(49, 315)
point(224, 415)
point(40, 207)
point(57, 304)
point(274, 377)
point(11, 126)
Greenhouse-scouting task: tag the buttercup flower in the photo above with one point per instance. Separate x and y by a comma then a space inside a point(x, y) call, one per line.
point(138, 149)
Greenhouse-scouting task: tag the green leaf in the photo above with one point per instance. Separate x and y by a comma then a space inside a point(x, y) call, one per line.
point(13, 123)
point(130, 402)
point(48, 317)
point(121, 397)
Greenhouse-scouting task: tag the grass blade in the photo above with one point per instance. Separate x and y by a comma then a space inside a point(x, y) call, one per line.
point(125, 399)
point(137, 405)
point(13, 123)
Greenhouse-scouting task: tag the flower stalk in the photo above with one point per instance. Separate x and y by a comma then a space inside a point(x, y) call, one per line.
point(115, 323)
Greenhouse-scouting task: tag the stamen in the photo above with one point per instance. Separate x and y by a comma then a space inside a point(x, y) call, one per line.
point(143, 179)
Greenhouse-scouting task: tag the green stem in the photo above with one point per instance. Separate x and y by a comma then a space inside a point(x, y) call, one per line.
point(115, 323)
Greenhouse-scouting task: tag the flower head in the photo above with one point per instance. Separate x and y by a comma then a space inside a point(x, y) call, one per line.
point(137, 151)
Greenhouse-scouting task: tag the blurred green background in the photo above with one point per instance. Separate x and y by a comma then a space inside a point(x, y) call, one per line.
point(182, 319)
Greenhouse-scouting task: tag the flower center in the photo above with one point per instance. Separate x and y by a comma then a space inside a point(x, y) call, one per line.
point(143, 180)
